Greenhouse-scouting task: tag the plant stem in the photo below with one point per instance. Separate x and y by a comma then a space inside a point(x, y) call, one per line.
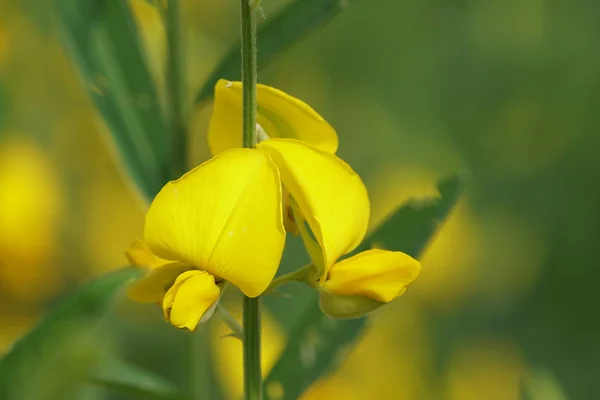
point(251, 318)
point(249, 73)
point(252, 370)
point(176, 88)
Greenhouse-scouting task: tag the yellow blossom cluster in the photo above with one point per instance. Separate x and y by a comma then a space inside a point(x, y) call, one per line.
point(225, 221)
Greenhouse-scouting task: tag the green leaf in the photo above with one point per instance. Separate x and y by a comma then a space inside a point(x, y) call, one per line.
point(131, 380)
point(4, 103)
point(317, 341)
point(295, 21)
point(541, 384)
point(103, 40)
point(56, 350)
point(410, 228)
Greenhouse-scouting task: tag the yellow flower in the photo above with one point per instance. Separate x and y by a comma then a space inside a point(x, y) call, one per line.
point(330, 207)
point(327, 196)
point(225, 218)
point(220, 222)
point(279, 115)
point(31, 206)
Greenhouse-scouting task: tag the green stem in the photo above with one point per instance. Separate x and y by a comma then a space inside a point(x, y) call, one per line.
point(300, 275)
point(251, 318)
point(249, 73)
point(252, 370)
point(176, 88)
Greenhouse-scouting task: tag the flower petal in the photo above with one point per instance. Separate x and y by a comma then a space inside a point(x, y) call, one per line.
point(152, 287)
point(223, 217)
point(379, 274)
point(139, 254)
point(188, 300)
point(279, 114)
point(329, 194)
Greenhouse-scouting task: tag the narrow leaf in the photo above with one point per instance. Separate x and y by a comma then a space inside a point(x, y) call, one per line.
point(48, 352)
point(131, 380)
point(295, 21)
point(103, 40)
point(317, 341)
point(541, 384)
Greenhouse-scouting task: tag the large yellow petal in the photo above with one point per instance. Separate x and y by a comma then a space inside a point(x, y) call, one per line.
point(379, 274)
point(140, 255)
point(329, 194)
point(190, 299)
point(279, 114)
point(223, 217)
point(152, 287)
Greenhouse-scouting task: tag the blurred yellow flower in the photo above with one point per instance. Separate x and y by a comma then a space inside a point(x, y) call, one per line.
point(491, 367)
point(395, 368)
point(220, 222)
point(4, 46)
point(30, 211)
point(389, 361)
point(279, 115)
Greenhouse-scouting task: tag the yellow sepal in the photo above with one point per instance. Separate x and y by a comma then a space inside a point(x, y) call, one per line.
point(140, 255)
point(152, 287)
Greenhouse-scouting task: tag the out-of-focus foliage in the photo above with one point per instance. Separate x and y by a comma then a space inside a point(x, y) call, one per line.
point(66, 342)
point(504, 90)
point(317, 340)
point(275, 36)
point(102, 37)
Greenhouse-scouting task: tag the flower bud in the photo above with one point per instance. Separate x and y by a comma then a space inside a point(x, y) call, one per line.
point(191, 300)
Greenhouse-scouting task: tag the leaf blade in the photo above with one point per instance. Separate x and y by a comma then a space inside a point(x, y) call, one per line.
point(70, 323)
point(295, 21)
point(125, 378)
point(103, 41)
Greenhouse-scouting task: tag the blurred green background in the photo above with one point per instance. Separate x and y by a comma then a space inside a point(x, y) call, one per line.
point(503, 91)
